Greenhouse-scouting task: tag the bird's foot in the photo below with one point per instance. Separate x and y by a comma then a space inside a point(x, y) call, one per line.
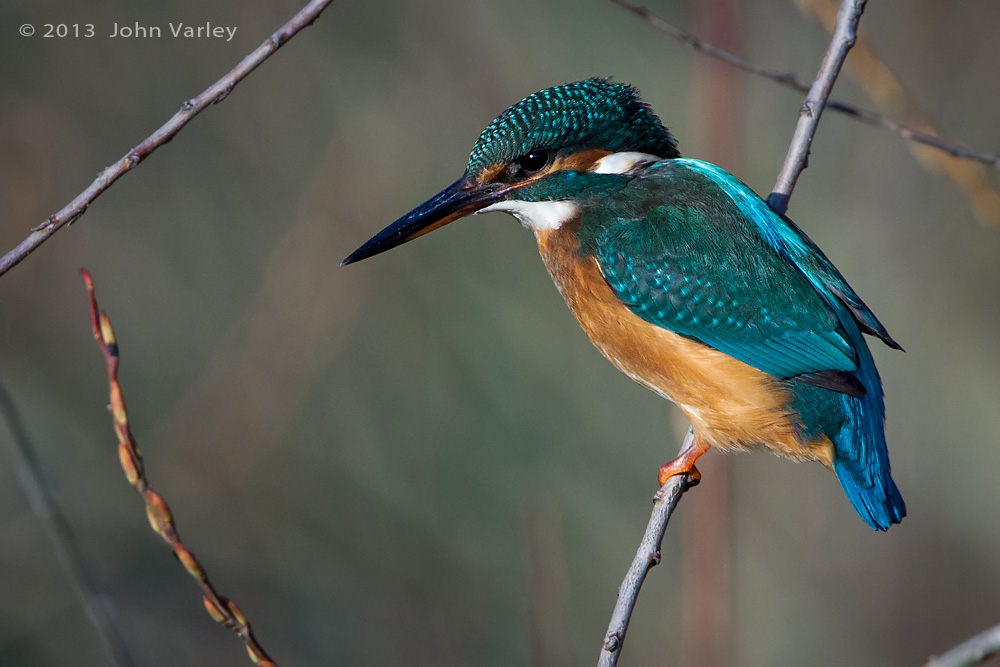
point(676, 467)
point(683, 465)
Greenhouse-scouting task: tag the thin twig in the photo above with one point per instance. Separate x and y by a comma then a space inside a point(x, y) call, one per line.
point(698, 44)
point(191, 108)
point(646, 557)
point(791, 81)
point(223, 610)
point(971, 652)
point(907, 132)
point(844, 36)
point(100, 607)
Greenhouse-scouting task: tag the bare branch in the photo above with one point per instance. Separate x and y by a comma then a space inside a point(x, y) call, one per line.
point(191, 108)
point(790, 80)
point(972, 652)
point(100, 607)
point(223, 610)
point(844, 36)
point(646, 557)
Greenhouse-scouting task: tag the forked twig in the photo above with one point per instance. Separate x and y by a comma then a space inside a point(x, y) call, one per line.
point(223, 610)
point(667, 497)
point(889, 93)
point(789, 80)
point(191, 108)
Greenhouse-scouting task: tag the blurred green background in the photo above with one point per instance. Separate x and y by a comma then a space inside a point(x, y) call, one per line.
point(421, 460)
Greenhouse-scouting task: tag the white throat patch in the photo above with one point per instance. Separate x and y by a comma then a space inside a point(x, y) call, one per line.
point(536, 215)
point(621, 163)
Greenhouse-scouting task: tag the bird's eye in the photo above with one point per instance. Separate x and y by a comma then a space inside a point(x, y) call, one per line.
point(533, 161)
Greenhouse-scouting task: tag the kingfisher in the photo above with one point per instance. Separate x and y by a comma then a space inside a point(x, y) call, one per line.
point(685, 280)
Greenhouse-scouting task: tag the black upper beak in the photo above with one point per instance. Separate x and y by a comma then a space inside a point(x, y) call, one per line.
point(458, 200)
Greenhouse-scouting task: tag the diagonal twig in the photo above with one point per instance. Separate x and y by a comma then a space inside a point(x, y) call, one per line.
point(843, 38)
point(100, 607)
point(973, 651)
point(669, 494)
point(223, 610)
point(792, 81)
point(191, 108)
point(647, 556)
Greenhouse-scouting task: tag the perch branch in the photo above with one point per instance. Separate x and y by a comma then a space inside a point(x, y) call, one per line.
point(100, 608)
point(648, 555)
point(844, 36)
point(669, 494)
point(789, 80)
point(191, 108)
point(223, 610)
point(971, 652)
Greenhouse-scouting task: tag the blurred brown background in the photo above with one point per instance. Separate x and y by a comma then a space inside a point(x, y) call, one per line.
point(418, 459)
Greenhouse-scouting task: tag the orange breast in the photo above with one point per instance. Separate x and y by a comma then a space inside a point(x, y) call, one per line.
point(731, 405)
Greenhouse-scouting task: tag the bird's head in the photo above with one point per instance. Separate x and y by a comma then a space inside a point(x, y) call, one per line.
point(534, 152)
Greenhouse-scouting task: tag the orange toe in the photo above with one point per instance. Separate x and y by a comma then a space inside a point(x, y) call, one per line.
point(678, 467)
point(683, 464)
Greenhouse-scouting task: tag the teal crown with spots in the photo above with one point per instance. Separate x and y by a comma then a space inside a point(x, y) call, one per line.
point(595, 113)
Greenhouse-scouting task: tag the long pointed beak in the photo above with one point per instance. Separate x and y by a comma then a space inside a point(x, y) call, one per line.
point(458, 200)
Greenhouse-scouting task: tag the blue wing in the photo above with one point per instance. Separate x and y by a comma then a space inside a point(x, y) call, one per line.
point(684, 255)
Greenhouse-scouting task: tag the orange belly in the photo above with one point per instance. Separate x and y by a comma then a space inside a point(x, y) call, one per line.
point(730, 404)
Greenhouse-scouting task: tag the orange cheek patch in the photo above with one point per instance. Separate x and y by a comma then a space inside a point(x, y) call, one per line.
point(490, 173)
point(579, 161)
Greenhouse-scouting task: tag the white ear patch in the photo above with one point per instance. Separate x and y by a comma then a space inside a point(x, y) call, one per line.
point(620, 163)
point(535, 215)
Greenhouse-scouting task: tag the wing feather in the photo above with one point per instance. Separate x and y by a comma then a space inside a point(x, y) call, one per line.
point(683, 257)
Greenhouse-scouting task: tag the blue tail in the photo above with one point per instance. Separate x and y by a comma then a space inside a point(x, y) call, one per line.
point(861, 460)
point(855, 424)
